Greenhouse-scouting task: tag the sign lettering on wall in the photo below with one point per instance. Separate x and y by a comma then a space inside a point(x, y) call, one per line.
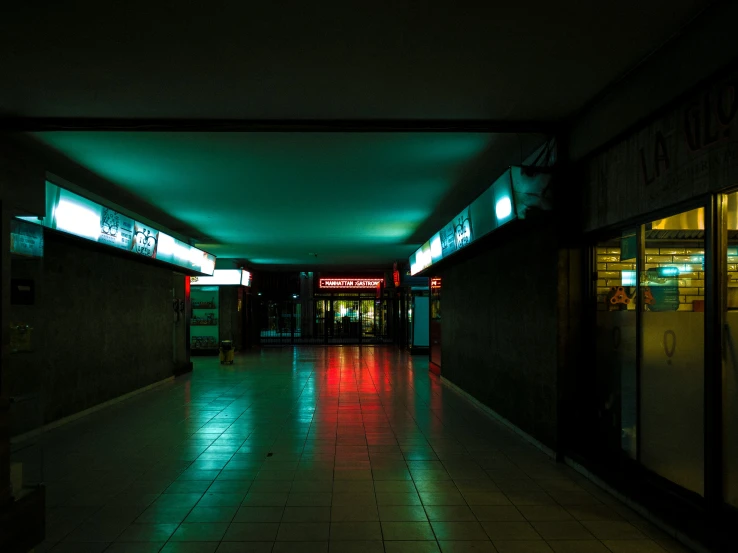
point(353, 283)
point(692, 150)
point(68, 212)
point(145, 240)
point(115, 229)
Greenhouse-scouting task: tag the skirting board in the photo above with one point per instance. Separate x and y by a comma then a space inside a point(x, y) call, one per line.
point(57, 423)
point(499, 418)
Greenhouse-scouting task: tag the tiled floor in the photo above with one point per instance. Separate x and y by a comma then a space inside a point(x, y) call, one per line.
point(317, 450)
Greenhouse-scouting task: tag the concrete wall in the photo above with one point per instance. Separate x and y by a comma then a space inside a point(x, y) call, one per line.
point(103, 325)
point(693, 55)
point(499, 328)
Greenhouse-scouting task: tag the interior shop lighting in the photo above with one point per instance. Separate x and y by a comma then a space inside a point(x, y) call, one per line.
point(628, 278)
point(668, 271)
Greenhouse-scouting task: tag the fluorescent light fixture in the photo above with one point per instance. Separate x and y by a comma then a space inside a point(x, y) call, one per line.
point(245, 278)
point(503, 208)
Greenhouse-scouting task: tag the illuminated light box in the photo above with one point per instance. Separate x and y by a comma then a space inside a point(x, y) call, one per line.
point(222, 277)
point(353, 283)
point(76, 215)
point(245, 278)
point(509, 198)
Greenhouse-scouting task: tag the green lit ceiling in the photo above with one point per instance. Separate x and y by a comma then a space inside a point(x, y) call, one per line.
point(354, 199)
point(277, 198)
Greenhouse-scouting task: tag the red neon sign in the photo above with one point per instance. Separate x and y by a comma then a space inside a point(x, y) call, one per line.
point(354, 283)
point(435, 282)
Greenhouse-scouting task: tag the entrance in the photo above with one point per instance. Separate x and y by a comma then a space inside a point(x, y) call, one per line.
point(336, 319)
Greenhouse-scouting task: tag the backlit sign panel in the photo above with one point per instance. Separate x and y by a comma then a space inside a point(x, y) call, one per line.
point(76, 215)
point(492, 209)
point(353, 283)
point(223, 277)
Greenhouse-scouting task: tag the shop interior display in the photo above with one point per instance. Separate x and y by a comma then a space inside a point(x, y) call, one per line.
point(204, 319)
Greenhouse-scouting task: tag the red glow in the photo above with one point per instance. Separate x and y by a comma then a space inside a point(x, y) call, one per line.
point(436, 282)
point(353, 283)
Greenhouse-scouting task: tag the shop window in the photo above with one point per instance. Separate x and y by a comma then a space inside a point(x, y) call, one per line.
point(672, 302)
point(730, 356)
point(615, 338)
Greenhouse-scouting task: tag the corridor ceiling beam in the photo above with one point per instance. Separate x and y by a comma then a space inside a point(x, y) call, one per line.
point(45, 124)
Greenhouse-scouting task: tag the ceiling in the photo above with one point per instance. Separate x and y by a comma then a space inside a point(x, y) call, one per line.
point(274, 198)
point(281, 198)
point(522, 60)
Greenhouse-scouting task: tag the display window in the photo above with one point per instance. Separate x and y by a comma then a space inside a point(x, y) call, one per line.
point(729, 399)
point(204, 322)
point(662, 291)
point(615, 340)
point(672, 328)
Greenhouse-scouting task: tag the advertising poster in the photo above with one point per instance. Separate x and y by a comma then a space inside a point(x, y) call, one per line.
point(462, 229)
point(26, 239)
point(448, 240)
point(145, 240)
point(115, 229)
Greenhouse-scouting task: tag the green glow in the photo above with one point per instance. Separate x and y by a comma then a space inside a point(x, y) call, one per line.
point(277, 196)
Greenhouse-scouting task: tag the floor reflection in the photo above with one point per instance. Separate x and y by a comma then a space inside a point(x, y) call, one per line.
point(317, 449)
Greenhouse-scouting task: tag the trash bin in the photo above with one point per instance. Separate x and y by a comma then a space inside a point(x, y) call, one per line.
point(226, 352)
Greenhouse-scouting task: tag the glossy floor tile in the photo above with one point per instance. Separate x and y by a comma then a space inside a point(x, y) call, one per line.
point(343, 449)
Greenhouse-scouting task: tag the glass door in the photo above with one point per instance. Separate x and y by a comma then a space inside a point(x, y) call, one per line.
point(204, 334)
point(730, 354)
point(672, 333)
point(615, 381)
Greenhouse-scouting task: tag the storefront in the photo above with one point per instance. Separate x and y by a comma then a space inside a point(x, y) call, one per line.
point(660, 399)
point(96, 307)
point(219, 304)
point(334, 309)
point(435, 325)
